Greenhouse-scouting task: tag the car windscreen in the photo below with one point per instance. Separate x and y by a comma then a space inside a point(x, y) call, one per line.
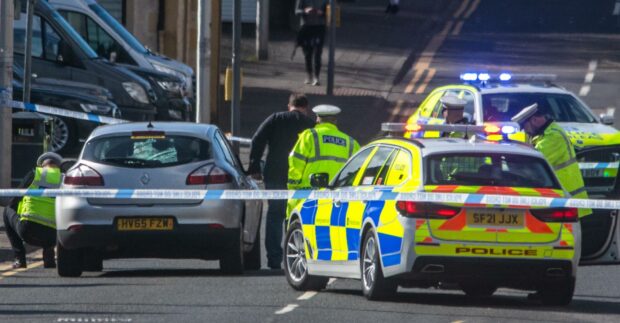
point(489, 169)
point(150, 151)
point(77, 38)
point(561, 107)
point(118, 28)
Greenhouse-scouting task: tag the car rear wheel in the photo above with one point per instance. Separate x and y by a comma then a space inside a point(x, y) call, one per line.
point(231, 263)
point(478, 290)
point(557, 294)
point(252, 257)
point(296, 264)
point(374, 285)
point(69, 262)
point(92, 261)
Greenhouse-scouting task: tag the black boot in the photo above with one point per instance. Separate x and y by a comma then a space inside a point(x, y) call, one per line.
point(20, 262)
point(49, 257)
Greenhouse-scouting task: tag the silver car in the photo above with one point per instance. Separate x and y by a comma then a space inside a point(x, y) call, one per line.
point(157, 156)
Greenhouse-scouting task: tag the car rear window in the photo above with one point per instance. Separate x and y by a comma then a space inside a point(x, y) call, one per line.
point(147, 150)
point(480, 169)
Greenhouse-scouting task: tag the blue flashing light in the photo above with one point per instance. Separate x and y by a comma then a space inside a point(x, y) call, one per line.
point(509, 130)
point(469, 77)
point(505, 77)
point(484, 77)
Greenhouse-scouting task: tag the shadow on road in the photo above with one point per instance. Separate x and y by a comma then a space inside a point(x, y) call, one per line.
point(186, 273)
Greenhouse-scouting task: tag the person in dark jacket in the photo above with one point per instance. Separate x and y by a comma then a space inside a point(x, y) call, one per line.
point(279, 131)
point(311, 36)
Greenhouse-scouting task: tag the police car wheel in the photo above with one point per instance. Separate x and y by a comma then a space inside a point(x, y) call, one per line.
point(557, 294)
point(478, 290)
point(374, 285)
point(296, 264)
point(231, 262)
point(69, 262)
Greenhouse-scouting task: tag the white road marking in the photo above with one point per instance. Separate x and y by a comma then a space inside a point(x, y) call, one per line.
point(585, 89)
point(458, 12)
point(472, 8)
point(306, 295)
point(592, 66)
point(589, 77)
point(286, 309)
point(457, 29)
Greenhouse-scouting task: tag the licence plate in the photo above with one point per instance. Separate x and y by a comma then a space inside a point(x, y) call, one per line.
point(145, 224)
point(593, 172)
point(507, 218)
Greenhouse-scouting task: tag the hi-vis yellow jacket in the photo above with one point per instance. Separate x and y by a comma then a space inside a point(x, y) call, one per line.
point(41, 210)
point(322, 149)
point(557, 148)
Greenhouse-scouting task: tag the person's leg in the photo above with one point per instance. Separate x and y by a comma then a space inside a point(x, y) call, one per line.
point(41, 236)
point(319, 40)
point(274, 227)
point(307, 49)
point(11, 222)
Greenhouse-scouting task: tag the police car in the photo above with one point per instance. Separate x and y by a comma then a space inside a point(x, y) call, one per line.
point(391, 243)
point(497, 98)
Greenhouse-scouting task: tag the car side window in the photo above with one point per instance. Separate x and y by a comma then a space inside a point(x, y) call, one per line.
point(228, 154)
point(399, 169)
point(19, 35)
point(52, 43)
point(380, 161)
point(466, 95)
point(430, 105)
point(98, 39)
point(347, 175)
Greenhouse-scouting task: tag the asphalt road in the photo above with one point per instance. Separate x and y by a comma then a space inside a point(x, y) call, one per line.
point(569, 38)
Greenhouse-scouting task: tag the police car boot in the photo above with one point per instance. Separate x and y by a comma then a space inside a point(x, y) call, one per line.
point(49, 256)
point(20, 262)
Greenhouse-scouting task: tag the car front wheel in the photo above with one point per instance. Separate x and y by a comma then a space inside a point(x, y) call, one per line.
point(296, 264)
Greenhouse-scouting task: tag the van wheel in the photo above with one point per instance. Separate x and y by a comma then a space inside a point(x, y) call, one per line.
point(252, 257)
point(231, 263)
point(64, 136)
point(479, 290)
point(69, 262)
point(374, 285)
point(558, 294)
point(296, 263)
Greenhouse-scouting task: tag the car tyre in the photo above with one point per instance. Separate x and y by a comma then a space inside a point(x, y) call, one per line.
point(479, 290)
point(374, 285)
point(231, 262)
point(557, 294)
point(252, 259)
point(296, 263)
point(64, 137)
point(92, 261)
point(69, 262)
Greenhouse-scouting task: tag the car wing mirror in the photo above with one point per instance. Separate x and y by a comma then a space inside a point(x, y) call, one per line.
point(607, 119)
point(319, 180)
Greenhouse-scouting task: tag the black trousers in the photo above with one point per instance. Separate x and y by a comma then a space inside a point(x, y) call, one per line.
point(32, 233)
point(274, 226)
point(311, 40)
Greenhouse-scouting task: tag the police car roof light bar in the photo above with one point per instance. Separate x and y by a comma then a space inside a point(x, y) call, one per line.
point(483, 77)
point(505, 128)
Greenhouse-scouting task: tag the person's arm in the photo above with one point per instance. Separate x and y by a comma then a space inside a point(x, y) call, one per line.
point(553, 147)
point(297, 160)
point(259, 141)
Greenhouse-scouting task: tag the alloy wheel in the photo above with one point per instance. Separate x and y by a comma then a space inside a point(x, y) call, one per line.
point(296, 256)
point(60, 138)
point(369, 264)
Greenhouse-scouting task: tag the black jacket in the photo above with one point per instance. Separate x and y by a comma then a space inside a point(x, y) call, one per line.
point(280, 132)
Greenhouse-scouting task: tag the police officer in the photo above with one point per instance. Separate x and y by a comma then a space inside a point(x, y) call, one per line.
point(452, 110)
point(32, 219)
point(322, 149)
point(279, 131)
point(551, 140)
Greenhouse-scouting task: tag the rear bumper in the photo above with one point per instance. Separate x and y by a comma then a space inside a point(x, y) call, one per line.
point(184, 241)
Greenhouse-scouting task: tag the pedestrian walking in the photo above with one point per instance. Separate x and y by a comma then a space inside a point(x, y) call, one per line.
point(279, 132)
point(32, 219)
point(311, 36)
point(322, 149)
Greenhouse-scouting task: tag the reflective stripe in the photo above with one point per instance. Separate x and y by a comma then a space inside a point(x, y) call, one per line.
point(577, 191)
point(564, 164)
point(43, 182)
point(299, 156)
point(351, 144)
point(317, 144)
point(333, 158)
point(38, 218)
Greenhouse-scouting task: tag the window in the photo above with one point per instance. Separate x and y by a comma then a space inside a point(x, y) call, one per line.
point(228, 154)
point(52, 43)
point(379, 162)
point(19, 35)
point(561, 107)
point(97, 38)
point(348, 173)
point(468, 96)
point(399, 170)
point(486, 169)
point(125, 151)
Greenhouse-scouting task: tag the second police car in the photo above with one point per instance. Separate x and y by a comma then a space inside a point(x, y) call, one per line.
point(388, 244)
point(498, 97)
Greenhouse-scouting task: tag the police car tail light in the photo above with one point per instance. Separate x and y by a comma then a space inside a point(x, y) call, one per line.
point(426, 210)
point(83, 175)
point(556, 214)
point(208, 174)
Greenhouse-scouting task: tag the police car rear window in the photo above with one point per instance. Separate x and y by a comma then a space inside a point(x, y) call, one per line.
point(480, 169)
point(147, 150)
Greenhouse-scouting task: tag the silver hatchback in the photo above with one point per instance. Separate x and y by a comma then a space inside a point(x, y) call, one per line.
point(157, 155)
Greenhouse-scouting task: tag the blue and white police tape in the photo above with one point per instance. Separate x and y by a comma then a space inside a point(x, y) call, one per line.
point(63, 112)
point(241, 140)
point(477, 200)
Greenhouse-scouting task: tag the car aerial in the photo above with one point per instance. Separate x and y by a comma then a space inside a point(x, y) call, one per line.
point(498, 97)
point(418, 244)
point(68, 133)
point(158, 155)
